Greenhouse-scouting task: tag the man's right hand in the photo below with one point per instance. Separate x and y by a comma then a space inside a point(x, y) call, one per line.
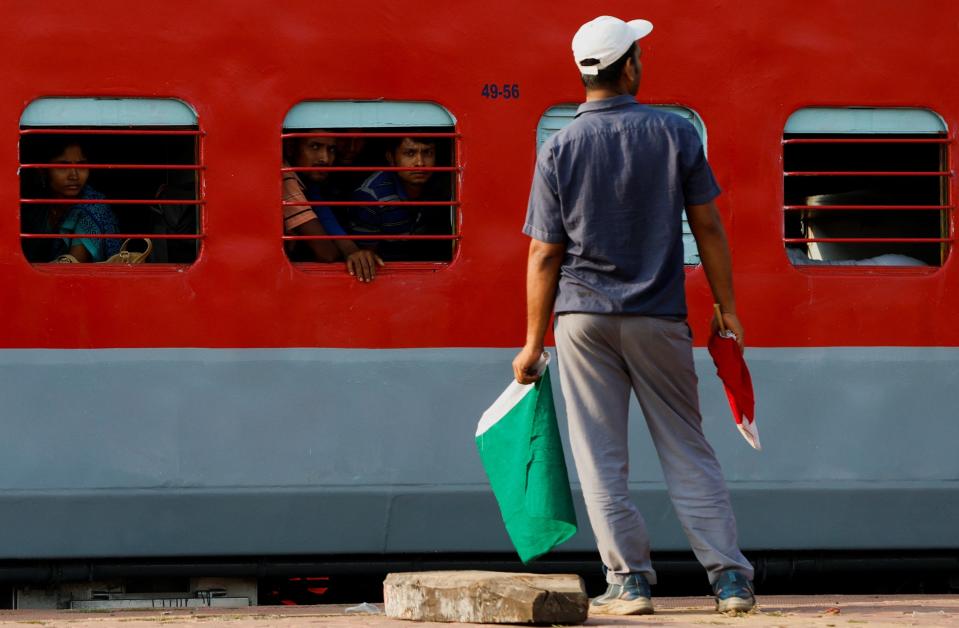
point(362, 264)
point(524, 365)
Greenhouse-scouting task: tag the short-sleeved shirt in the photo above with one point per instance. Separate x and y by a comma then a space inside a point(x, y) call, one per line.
point(294, 215)
point(612, 186)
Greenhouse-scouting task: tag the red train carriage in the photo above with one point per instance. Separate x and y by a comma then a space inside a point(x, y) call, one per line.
point(231, 398)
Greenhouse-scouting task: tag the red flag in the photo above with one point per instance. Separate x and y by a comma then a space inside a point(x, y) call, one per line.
point(732, 370)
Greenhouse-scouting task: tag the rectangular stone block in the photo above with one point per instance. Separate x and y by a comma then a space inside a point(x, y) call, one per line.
point(486, 597)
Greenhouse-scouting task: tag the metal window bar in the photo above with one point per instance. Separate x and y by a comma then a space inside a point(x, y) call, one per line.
point(68, 131)
point(850, 140)
point(868, 173)
point(868, 207)
point(112, 236)
point(455, 203)
point(370, 169)
point(944, 207)
point(199, 168)
point(298, 134)
point(870, 240)
point(111, 201)
point(360, 236)
point(375, 203)
point(87, 166)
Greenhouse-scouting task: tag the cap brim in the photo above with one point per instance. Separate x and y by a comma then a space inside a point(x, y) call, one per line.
point(640, 28)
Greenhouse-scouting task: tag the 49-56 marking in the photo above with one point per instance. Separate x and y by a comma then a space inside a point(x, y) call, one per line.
point(506, 91)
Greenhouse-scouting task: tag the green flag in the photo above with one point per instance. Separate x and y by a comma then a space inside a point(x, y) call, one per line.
point(519, 444)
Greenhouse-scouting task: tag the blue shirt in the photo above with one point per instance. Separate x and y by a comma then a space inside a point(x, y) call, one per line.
point(324, 214)
point(373, 219)
point(380, 220)
point(612, 186)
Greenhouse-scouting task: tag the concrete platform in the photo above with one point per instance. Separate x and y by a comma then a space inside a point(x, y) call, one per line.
point(840, 611)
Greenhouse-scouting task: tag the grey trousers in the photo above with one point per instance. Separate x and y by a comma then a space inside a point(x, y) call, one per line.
point(602, 358)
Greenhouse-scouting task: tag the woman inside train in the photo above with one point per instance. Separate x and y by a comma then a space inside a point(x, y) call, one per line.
point(89, 217)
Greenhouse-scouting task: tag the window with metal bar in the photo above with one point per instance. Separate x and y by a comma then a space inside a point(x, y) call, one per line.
point(380, 175)
point(98, 175)
point(559, 116)
point(866, 187)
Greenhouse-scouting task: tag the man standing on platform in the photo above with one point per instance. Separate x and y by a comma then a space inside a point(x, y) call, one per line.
point(605, 218)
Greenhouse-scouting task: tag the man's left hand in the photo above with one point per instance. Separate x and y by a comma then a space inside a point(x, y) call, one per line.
point(731, 323)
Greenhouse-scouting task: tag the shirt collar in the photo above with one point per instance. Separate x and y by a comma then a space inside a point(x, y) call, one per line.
point(605, 103)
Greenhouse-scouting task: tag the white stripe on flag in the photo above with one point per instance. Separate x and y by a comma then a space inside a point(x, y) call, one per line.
point(750, 432)
point(513, 394)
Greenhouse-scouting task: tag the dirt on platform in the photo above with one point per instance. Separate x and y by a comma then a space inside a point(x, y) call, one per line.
point(786, 611)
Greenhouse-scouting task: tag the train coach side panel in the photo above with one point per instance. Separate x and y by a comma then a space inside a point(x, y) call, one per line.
point(329, 451)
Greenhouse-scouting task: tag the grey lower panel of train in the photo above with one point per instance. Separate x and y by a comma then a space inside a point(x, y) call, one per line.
point(202, 452)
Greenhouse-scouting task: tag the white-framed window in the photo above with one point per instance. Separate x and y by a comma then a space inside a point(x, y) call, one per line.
point(101, 174)
point(382, 175)
point(559, 116)
point(866, 186)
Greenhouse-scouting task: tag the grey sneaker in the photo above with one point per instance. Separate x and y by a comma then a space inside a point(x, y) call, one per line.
point(734, 593)
point(632, 597)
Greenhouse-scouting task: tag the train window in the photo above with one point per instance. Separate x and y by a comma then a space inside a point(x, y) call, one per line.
point(866, 187)
point(559, 116)
point(98, 175)
point(376, 175)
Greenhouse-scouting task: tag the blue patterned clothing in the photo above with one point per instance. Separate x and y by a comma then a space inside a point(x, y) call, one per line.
point(92, 218)
point(379, 220)
point(612, 187)
point(402, 220)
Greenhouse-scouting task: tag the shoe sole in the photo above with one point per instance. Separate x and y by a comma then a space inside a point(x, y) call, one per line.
point(735, 604)
point(624, 607)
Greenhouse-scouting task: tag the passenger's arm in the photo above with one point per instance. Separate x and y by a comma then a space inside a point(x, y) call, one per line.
point(86, 249)
point(542, 279)
point(707, 227)
point(294, 218)
point(80, 253)
point(324, 250)
point(360, 263)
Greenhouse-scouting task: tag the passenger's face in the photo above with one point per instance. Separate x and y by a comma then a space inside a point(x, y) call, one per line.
point(67, 182)
point(315, 152)
point(411, 154)
point(348, 149)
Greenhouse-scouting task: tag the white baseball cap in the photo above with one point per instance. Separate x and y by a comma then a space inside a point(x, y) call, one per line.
point(606, 39)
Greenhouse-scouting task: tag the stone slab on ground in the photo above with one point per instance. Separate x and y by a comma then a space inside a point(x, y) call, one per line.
point(486, 597)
